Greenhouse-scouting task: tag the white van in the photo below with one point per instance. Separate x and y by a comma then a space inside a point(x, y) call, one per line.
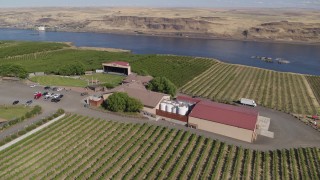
point(248, 102)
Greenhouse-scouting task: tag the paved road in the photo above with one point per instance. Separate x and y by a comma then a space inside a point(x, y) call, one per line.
point(289, 132)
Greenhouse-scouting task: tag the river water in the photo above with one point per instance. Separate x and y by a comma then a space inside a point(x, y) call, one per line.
point(303, 58)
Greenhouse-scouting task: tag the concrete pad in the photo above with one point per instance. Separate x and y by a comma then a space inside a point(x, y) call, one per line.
point(263, 123)
point(267, 133)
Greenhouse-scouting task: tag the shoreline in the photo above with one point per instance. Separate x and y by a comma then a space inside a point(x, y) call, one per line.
point(194, 36)
point(172, 35)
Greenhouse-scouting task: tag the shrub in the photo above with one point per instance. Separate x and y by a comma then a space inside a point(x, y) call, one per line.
point(121, 102)
point(13, 136)
point(109, 85)
point(31, 127)
point(133, 105)
point(7, 139)
point(28, 115)
point(162, 84)
point(117, 102)
point(22, 132)
point(60, 111)
point(39, 123)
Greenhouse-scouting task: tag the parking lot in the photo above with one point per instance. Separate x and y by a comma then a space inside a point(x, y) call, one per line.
point(288, 131)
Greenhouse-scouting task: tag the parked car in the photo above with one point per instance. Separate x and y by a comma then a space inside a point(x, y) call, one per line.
point(59, 89)
point(84, 94)
point(47, 88)
point(33, 85)
point(15, 102)
point(61, 96)
point(46, 98)
point(55, 100)
point(44, 93)
point(49, 95)
point(56, 96)
point(37, 96)
point(54, 89)
point(28, 102)
point(35, 93)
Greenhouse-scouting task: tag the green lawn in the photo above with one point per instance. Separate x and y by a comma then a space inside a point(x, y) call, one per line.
point(105, 78)
point(58, 81)
point(11, 112)
point(52, 80)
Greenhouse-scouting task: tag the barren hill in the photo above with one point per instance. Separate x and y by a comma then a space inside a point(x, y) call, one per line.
point(290, 25)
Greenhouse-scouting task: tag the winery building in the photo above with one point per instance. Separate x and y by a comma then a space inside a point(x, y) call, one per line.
point(231, 121)
point(150, 100)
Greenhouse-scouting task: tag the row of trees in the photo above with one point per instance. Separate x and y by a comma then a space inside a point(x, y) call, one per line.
point(13, 70)
point(72, 69)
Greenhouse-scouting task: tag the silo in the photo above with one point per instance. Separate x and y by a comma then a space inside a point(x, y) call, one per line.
point(183, 110)
point(174, 109)
point(169, 108)
point(163, 106)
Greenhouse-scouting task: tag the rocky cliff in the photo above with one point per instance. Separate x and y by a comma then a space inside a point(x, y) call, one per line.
point(273, 25)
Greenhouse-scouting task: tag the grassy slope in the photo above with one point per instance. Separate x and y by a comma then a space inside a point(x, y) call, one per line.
point(13, 48)
point(77, 147)
point(65, 81)
point(11, 112)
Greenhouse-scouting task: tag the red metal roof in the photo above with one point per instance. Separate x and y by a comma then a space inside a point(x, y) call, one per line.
point(226, 114)
point(121, 63)
point(188, 99)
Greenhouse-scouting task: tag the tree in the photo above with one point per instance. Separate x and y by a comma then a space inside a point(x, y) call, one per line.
point(13, 70)
point(72, 69)
point(117, 102)
point(162, 84)
point(121, 102)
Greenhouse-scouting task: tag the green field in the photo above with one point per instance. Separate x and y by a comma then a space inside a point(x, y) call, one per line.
point(179, 69)
point(13, 48)
point(52, 80)
point(11, 112)
point(226, 83)
point(105, 78)
point(77, 147)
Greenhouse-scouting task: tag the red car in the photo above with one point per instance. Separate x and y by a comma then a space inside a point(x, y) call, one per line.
point(37, 96)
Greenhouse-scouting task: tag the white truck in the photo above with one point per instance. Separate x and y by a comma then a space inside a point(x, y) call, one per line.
point(248, 102)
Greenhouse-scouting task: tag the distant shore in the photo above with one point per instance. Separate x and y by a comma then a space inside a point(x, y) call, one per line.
point(194, 36)
point(173, 35)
